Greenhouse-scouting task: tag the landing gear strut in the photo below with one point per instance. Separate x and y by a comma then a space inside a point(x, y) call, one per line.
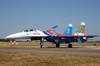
point(41, 43)
point(69, 45)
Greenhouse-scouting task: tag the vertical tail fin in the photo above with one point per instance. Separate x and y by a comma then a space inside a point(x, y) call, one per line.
point(81, 29)
point(68, 31)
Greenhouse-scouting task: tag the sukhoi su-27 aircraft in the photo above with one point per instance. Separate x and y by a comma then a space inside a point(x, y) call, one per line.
point(50, 36)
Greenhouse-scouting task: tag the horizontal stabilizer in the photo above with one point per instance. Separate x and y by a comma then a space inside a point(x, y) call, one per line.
point(92, 36)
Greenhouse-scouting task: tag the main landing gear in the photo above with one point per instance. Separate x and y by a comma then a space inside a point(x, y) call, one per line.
point(69, 45)
point(57, 45)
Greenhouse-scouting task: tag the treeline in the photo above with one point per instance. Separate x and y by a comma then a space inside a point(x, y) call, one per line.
point(20, 40)
point(4, 40)
point(93, 41)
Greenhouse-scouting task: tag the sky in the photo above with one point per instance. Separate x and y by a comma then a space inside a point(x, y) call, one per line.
point(18, 15)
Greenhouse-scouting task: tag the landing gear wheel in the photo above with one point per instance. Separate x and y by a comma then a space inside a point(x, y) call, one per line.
point(41, 46)
point(70, 46)
point(41, 43)
point(57, 45)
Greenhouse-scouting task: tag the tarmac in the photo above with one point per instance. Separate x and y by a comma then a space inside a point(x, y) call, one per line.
point(75, 51)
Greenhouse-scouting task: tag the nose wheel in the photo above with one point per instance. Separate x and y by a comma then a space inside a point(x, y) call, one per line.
point(41, 43)
point(41, 46)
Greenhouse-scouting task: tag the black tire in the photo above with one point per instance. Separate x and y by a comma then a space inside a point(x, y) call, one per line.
point(41, 46)
point(57, 45)
point(70, 46)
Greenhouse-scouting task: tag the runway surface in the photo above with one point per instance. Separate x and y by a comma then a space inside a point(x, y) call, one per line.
point(75, 51)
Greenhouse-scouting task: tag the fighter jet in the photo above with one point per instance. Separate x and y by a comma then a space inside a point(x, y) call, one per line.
point(51, 36)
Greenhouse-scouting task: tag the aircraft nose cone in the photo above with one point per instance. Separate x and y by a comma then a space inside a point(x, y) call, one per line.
point(12, 36)
point(8, 37)
point(15, 36)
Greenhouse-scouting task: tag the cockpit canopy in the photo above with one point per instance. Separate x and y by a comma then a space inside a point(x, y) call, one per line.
point(28, 30)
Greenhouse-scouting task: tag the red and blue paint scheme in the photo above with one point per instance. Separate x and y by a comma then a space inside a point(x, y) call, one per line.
point(68, 37)
point(50, 36)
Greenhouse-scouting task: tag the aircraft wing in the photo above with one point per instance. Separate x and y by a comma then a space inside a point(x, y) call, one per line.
point(79, 38)
point(70, 36)
point(75, 36)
